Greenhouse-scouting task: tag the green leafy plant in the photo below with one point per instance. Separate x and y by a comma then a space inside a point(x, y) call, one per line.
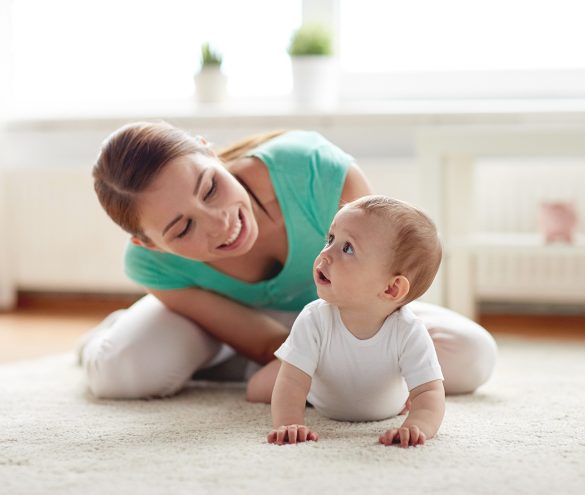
point(311, 39)
point(210, 57)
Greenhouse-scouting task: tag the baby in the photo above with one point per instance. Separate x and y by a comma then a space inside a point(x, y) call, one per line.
point(358, 353)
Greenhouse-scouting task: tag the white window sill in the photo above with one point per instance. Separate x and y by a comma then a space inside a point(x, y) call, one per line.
point(285, 112)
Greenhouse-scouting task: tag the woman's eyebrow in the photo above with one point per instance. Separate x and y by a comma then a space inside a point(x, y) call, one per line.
point(195, 192)
point(173, 222)
point(199, 179)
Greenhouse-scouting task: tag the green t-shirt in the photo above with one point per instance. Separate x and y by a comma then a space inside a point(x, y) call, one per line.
point(307, 173)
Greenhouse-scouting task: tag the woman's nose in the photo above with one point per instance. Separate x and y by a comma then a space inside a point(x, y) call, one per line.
point(218, 220)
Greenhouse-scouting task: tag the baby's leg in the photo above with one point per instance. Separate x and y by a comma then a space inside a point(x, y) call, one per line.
point(262, 382)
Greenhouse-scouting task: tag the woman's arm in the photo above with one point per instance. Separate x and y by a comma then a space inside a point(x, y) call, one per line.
point(249, 331)
point(356, 185)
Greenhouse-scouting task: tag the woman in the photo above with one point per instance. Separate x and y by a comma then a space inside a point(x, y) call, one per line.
point(224, 244)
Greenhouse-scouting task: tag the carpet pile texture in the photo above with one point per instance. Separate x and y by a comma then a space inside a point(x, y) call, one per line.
point(523, 432)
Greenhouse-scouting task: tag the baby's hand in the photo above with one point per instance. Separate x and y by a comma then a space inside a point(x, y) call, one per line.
point(291, 434)
point(405, 436)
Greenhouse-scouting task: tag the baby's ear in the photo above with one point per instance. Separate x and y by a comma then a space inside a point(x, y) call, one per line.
point(398, 288)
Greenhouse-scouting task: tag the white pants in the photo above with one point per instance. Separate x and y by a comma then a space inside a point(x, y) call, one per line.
point(151, 351)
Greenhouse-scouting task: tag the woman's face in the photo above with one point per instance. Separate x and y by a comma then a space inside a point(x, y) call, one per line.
point(196, 209)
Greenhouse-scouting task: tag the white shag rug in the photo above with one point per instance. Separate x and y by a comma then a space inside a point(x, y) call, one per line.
point(523, 432)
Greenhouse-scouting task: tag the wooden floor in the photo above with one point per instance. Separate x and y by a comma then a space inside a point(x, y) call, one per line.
point(43, 325)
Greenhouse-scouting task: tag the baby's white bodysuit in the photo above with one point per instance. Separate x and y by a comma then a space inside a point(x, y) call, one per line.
point(354, 379)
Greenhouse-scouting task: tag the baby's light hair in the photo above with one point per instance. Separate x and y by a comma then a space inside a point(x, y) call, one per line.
point(415, 249)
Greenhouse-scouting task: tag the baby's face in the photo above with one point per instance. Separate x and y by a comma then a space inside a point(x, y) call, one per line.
point(353, 268)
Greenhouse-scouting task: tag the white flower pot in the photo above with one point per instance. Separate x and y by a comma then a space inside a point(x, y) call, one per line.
point(211, 85)
point(315, 81)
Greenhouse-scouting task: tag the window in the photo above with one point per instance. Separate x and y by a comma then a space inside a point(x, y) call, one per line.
point(461, 35)
point(426, 48)
point(71, 54)
point(67, 52)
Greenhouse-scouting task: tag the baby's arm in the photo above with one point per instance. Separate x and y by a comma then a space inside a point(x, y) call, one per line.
point(425, 417)
point(288, 406)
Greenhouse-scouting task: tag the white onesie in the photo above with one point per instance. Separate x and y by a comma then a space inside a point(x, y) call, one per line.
point(360, 380)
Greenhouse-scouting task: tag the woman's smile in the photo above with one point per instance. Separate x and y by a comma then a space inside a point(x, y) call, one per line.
point(237, 234)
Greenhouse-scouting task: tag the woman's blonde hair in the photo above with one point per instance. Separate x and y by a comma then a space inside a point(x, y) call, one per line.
point(415, 248)
point(132, 157)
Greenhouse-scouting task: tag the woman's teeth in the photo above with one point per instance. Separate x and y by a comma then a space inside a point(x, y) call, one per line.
point(235, 233)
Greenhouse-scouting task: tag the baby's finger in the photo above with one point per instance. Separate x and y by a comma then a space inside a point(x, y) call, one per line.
point(388, 436)
point(271, 438)
point(280, 435)
point(414, 434)
point(404, 436)
point(421, 438)
point(314, 436)
point(303, 432)
point(394, 437)
point(292, 433)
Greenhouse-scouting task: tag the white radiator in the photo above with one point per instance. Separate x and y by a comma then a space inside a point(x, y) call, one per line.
point(522, 268)
point(59, 237)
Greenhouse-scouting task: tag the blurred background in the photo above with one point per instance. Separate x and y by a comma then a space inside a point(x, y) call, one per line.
point(413, 90)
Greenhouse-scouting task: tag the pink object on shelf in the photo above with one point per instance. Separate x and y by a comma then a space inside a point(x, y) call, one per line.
point(558, 221)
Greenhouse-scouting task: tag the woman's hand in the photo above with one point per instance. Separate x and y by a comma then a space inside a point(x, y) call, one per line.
point(292, 434)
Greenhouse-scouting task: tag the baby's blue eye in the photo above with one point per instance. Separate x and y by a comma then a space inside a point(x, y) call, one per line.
point(329, 240)
point(348, 248)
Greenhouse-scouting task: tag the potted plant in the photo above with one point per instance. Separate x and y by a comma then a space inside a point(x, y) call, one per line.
point(210, 81)
point(314, 66)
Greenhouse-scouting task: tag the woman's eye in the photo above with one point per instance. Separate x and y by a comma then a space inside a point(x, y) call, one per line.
point(329, 240)
point(185, 230)
point(212, 189)
point(348, 248)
